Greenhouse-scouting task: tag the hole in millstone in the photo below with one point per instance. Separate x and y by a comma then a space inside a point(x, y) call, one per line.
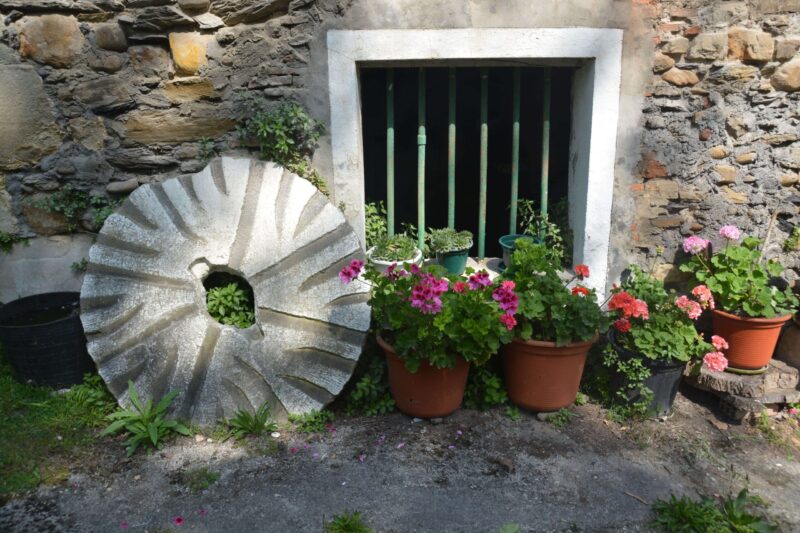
point(229, 299)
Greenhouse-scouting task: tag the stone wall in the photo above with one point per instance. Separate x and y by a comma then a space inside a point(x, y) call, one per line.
point(721, 126)
point(110, 94)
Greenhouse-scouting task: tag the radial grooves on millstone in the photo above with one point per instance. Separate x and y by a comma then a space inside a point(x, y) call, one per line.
point(312, 390)
point(113, 325)
point(301, 254)
point(329, 272)
point(282, 200)
point(257, 376)
point(311, 211)
point(135, 215)
point(118, 244)
point(94, 303)
point(218, 176)
point(119, 382)
point(244, 232)
point(349, 299)
point(161, 383)
point(174, 215)
point(238, 396)
point(310, 325)
point(159, 324)
point(200, 369)
point(328, 359)
point(143, 277)
point(188, 185)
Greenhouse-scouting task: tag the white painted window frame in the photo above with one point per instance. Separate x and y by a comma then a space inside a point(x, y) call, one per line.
point(597, 52)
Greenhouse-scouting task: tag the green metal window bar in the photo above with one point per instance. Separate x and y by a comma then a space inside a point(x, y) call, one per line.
point(451, 152)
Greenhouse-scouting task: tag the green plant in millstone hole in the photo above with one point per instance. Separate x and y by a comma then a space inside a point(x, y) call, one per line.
point(144, 423)
point(311, 422)
point(231, 304)
point(245, 423)
point(449, 240)
point(347, 522)
point(730, 515)
point(396, 248)
point(375, 223)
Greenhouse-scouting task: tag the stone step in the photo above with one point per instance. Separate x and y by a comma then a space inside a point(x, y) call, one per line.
point(779, 376)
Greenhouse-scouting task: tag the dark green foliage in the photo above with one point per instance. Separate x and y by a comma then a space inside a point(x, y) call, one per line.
point(245, 423)
point(199, 479)
point(553, 228)
point(561, 418)
point(484, 389)
point(371, 395)
point(602, 364)
point(144, 423)
point(79, 266)
point(347, 522)
point(375, 223)
point(231, 304)
point(731, 515)
point(397, 248)
point(284, 132)
point(93, 398)
point(792, 243)
point(313, 422)
point(73, 203)
point(7, 241)
point(449, 240)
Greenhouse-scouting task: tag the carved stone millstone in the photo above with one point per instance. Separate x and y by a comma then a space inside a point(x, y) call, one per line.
point(143, 302)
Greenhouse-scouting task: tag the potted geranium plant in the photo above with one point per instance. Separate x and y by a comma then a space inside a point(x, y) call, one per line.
point(431, 328)
point(558, 323)
point(451, 248)
point(397, 249)
point(653, 338)
point(751, 309)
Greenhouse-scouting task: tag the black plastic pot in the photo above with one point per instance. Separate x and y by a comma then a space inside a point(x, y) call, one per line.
point(664, 380)
point(43, 339)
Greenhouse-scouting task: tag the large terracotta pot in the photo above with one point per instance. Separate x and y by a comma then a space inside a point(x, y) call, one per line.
point(752, 340)
point(541, 376)
point(430, 392)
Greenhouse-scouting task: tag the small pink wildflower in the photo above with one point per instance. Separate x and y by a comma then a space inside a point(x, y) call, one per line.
point(459, 432)
point(451, 447)
point(715, 361)
point(401, 445)
point(202, 512)
point(794, 411)
point(719, 343)
point(362, 457)
point(293, 449)
point(178, 520)
point(479, 280)
point(124, 525)
point(730, 232)
point(694, 244)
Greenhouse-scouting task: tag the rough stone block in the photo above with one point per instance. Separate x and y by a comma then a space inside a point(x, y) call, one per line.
point(750, 45)
point(51, 39)
point(190, 90)
point(662, 62)
point(109, 36)
point(91, 133)
point(709, 46)
point(149, 60)
point(237, 11)
point(788, 157)
point(726, 174)
point(170, 126)
point(718, 152)
point(8, 221)
point(143, 304)
point(680, 77)
point(786, 49)
point(29, 130)
point(676, 46)
point(189, 51)
point(778, 376)
point(104, 95)
point(787, 76)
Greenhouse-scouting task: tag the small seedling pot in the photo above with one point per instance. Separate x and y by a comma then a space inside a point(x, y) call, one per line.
point(509, 243)
point(428, 393)
point(455, 262)
point(381, 265)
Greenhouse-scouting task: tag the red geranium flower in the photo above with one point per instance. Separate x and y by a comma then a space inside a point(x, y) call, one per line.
point(580, 291)
point(582, 271)
point(623, 325)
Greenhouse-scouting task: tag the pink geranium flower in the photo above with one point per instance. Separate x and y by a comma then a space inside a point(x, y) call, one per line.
point(694, 244)
point(730, 232)
point(351, 271)
point(719, 343)
point(703, 294)
point(479, 280)
point(715, 361)
point(693, 309)
point(505, 296)
point(509, 321)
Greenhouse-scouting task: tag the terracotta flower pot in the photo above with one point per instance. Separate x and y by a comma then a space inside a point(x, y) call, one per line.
point(752, 340)
point(541, 376)
point(430, 392)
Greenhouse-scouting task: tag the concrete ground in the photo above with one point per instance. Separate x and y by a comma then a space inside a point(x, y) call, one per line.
point(474, 471)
